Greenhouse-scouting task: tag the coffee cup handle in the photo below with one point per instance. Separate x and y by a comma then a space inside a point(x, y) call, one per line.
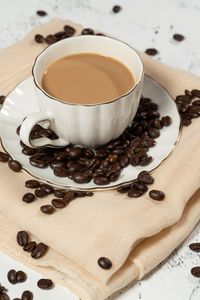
point(28, 124)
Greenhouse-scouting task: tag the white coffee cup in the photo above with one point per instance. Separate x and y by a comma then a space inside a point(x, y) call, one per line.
point(80, 124)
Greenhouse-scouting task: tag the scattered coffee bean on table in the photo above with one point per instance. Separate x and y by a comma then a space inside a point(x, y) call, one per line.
point(39, 38)
point(104, 263)
point(45, 284)
point(196, 272)
point(47, 209)
point(21, 276)
point(41, 13)
point(40, 193)
point(59, 203)
point(151, 51)
point(116, 9)
point(14, 165)
point(28, 197)
point(30, 247)
point(3, 157)
point(39, 251)
point(87, 31)
point(4, 296)
point(156, 195)
point(69, 30)
point(32, 184)
point(22, 238)
point(195, 247)
point(12, 276)
point(178, 37)
point(2, 99)
point(145, 177)
point(27, 295)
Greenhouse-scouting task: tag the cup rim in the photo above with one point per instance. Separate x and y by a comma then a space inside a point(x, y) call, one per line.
point(79, 104)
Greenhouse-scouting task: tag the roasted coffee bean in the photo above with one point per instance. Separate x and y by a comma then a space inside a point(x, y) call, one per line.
point(61, 172)
point(60, 34)
point(140, 186)
point(116, 9)
point(4, 296)
point(140, 152)
point(80, 194)
point(45, 284)
point(196, 272)
point(156, 195)
point(80, 177)
point(188, 93)
point(3, 157)
point(113, 158)
point(47, 209)
point(146, 161)
point(47, 188)
point(74, 153)
point(38, 163)
point(114, 176)
point(22, 238)
point(69, 196)
point(41, 13)
point(145, 177)
point(15, 299)
point(151, 51)
point(124, 189)
point(182, 108)
point(60, 156)
point(124, 161)
point(27, 295)
point(87, 31)
point(2, 288)
point(194, 109)
point(134, 161)
point(89, 194)
point(51, 39)
point(101, 180)
point(28, 197)
point(196, 102)
point(105, 263)
point(178, 37)
point(183, 99)
point(40, 193)
point(186, 122)
point(134, 193)
point(14, 165)
point(28, 151)
point(153, 133)
point(39, 38)
point(12, 276)
point(2, 99)
point(119, 152)
point(88, 152)
point(39, 251)
point(113, 144)
point(59, 203)
point(32, 184)
point(21, 276)
point(195, 247)
point(70, 31)
point(59, 193)
point(196, 93)
point(166, 121)
point(29, 247)
point(157, 124)
point(74, 166)
point(148, 143)
point(56, 164)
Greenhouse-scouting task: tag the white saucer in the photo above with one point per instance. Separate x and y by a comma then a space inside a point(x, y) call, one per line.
point(22, 101)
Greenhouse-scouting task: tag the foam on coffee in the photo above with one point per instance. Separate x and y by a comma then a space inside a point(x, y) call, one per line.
point(87, 78)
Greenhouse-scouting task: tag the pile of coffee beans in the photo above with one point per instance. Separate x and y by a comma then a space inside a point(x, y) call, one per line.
point(103, 164)
point(188, 106)
point(196, 270)
point(62, 197)
point(37, 250)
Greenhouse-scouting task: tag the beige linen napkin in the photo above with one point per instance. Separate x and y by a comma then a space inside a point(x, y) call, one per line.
point(108, 224)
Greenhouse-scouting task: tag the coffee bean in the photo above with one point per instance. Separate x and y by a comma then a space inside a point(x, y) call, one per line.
point(153, 132)
point(186, 122)
point(134, 193)
point(28, 151)
point(113, 158)
point(89, 194)
point(39, 251)
point(80, 177)
point(21, 276)
point(22, 238)
point(32, 184)
point(4, 296)
point(3, 157)
point(196, 272)
point(37, 162)
point(2, 288)
point(28, 198)
point(45, 284)
point(124, 189)
point(61, 172)
point(59, 193)
point(47, 209)
point(29, 247)
point(39, 38)
point(101, 180)
point(74, 166)
point(88, 152)
point(12, 276)
point(188, 93)
point(145, 177)
point(2, 99)
point(105, 263)
point(79, 194)
point(15, 299)
point(156, 195)
point(151, 51)
point(27, 295)
point(183, 99)
point(69, 196)
point(140, 186)
point(14, 165)
point(146, 161)
point(195, 247)
point(87, 31)
point(51, 39)
point(70, 31)
point(157, 124)
point(166, 121)
point(59, 203)
point(40, 193)
point(134, 161)
point(124, 161)
point(41, 13)
point(116, 9)
point(47, 188)
point(196, 102)
point(178, 37)
point(74, 153)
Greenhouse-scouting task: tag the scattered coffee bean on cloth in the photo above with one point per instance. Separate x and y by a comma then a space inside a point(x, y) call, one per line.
point(39, 251)
point(105, 263)
point(45, 284)
point(156, 195)
point(196, 271)
point(116, 9)
point(22, 238)
point(195, 247)
point(178, 37)
point(27, 295)
point(41, 13)
point(151, 51)
point(14, 165)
